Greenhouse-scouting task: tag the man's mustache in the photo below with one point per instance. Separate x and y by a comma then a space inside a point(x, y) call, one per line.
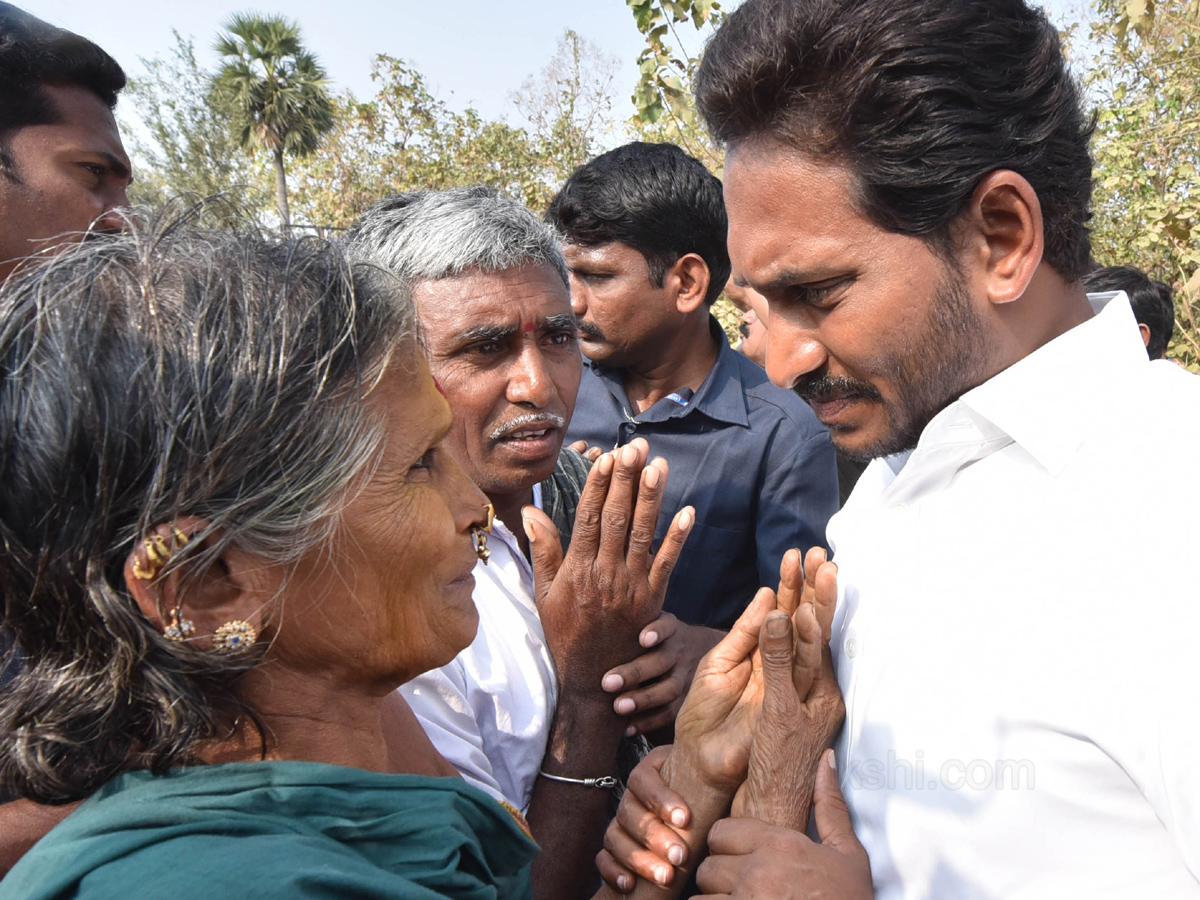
point(818, 388)
point(589, 331)
point(522, 423)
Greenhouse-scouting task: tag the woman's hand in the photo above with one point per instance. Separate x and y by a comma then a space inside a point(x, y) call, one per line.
point(800, 715)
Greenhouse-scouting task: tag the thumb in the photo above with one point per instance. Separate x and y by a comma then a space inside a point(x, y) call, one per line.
point(776, 649)
point(545, 550)
point(830, 810)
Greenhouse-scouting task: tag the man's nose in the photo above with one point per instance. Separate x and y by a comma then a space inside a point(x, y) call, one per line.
point(113, 218)
point(578, 303)
point(792, 351)
point(529, 379)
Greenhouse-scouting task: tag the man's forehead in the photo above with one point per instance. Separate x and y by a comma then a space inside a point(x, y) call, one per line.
point(509, 300)
point(83, 119)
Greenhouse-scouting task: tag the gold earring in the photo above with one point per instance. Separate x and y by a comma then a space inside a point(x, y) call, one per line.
point(157, 551)
point(180, 628)
point(480, 534)
point(234, 637)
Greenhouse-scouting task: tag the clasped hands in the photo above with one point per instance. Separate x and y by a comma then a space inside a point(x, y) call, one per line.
point(750, 743)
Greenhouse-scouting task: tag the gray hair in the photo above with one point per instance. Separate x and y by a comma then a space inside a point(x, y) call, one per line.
point(429, 235)
point(166, 371)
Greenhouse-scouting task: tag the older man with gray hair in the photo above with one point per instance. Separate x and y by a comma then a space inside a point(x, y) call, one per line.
point(521, 713)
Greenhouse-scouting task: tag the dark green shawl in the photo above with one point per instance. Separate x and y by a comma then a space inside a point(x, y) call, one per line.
point(279, 829)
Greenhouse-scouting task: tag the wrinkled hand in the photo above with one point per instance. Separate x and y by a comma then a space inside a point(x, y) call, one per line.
point(750, 859)
point(802, 707)
point(594, 602)
point(590, 453)
point(656, 683)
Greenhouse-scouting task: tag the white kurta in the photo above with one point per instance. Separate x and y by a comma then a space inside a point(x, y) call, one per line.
point(489, 711)
point(1017, 632)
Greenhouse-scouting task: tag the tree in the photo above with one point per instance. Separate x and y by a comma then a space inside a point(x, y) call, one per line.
point(278, 89)
point(568, 105)
point(1145, 80)
point(189, 148)
point(663, 100)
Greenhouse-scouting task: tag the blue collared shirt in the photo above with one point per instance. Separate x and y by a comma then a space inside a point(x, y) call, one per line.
point(749, 456)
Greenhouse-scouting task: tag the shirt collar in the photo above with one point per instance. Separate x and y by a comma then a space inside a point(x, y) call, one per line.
point(1048, 401)
point(721, 395)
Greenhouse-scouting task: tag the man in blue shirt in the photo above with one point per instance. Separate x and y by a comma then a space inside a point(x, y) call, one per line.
point(644, 227)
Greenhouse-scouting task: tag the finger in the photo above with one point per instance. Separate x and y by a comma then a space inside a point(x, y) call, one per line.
point(719, 875)
point(737, 837)
point(806, 662)
point(618, 505)
point(646, 784)
point(615, 875)
point(791, 581)
point(645, 516)
point(650, 833)
point(652, 696)
point(775, 644)
point(826, 597)
point(830, 811)
point(593, 453)
point(632, 675)
point(545, 549)
point(669, 550)
point(636, 858)
point(658, 631)
point(743, 636)
point(578, 446)
point(653, 720)
point(589, 512)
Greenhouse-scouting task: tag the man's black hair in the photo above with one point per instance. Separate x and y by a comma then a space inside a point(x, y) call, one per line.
point(922, 99)
point(1151, 300)
point(34, 54)
point(654, 198)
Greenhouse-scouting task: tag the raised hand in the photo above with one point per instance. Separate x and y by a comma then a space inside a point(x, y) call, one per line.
point(594, 602)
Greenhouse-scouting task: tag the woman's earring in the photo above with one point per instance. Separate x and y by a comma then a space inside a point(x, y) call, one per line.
point(234, 637)
point(180, 628)
point(480, 534)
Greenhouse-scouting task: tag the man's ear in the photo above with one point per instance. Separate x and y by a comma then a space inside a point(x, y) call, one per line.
point(1145, 330)
point(1004, 223)
point(196, 589)
point(689, 279)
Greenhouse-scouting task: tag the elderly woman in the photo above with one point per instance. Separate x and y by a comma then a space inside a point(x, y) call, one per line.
point(230, 532)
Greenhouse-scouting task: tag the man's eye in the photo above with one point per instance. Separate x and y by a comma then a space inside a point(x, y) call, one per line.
point(487, 347)
point(425, 463)
point(562, 338)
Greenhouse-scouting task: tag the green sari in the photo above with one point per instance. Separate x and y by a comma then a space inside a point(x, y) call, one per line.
point(279, 829)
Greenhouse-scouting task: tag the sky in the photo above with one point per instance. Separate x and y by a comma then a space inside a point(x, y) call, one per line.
point(472, 52)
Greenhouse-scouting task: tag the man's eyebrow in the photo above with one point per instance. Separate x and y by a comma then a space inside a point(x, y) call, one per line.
point(117, 165)
point(788, 278)
point(561, 322)
point(487, 333)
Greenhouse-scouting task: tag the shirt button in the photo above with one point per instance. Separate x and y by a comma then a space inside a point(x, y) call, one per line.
point(852, 647)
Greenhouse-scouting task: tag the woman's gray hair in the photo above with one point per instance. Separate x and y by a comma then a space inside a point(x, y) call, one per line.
point(167, 371)
point(429, 235)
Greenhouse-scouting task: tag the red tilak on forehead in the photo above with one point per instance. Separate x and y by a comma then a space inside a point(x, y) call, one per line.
point(527, 327)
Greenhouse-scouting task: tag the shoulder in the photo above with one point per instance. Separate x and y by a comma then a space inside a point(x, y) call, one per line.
point(776, 406)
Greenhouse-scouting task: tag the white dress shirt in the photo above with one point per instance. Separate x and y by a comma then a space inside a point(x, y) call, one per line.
point(1017, 634)
point(489, 711)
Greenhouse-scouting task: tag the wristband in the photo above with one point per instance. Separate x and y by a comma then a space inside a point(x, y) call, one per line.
point(604, 781)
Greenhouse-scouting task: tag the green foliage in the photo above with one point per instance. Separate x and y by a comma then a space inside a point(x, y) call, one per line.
point(665, 108)
point(407, 139)
point(276, 88)
point(1145, 80)
point(190, 148)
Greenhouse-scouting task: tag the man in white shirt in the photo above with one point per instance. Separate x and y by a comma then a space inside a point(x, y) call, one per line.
point(907, 185)
point(522, 713)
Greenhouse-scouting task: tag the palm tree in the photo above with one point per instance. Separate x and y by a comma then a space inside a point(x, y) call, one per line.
point(278, 89)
